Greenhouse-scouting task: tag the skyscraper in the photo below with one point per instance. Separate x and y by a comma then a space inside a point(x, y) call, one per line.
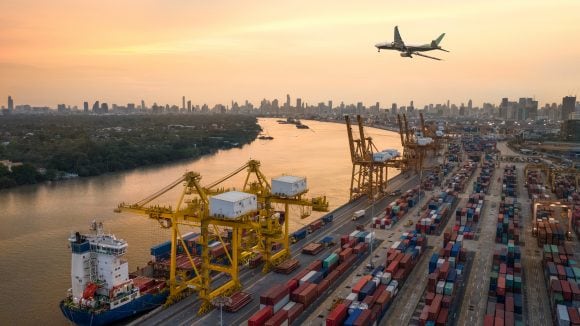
point(287, 104)
point(10, 104)
point(86, 107)
point(142, 105)
point(183, 102)
point(568, 106)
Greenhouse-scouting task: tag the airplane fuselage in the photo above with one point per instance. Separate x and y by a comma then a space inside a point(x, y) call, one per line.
point(404, 47)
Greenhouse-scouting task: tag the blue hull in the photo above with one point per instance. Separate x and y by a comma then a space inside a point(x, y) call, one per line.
point(142, 304)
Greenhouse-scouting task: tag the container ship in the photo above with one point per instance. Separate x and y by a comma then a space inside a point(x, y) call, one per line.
point(102, 290)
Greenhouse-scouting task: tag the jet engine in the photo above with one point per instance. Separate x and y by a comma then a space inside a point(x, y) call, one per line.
point(406, 54)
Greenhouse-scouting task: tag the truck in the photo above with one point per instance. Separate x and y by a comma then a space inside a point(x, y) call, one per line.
point(358, 214)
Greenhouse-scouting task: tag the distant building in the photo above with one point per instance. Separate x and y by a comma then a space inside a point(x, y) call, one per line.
point(568, 106)
point(86, 107)
point(104, 108)
point(183, 102)
point(298, 103)
point(96, 107)
point(10, 104)
point(287, 104)
point(61, 108)
point(571, 129)
point(143, 105)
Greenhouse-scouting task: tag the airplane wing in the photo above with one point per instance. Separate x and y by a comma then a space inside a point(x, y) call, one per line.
point(398, 39)
point(426, 56)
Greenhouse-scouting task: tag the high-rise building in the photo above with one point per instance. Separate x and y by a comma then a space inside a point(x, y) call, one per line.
point(298, 102)
point(142, 105)
point(183, 102)
point(188, 105)
point(96, 107)
point(568, 106)
point(86, 106)
point(394, 108)
point(287, 104)
point(330, 105)
point(10, 104)
point(469, 105)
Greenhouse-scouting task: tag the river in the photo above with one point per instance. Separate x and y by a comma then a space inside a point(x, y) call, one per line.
point(37, 220)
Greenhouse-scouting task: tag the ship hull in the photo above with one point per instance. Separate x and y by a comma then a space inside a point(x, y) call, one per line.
point(140, 305)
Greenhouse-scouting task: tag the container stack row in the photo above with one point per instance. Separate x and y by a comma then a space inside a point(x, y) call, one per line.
point(445, 272)
point(396, 210)
point(564, 185)
point(282, 304)
point(481, 184)
point(372, 295)
point(458, 181)
point(509, 186)
point(434, 214)
point(508, 221)
point(562, 277)
point(310, 228)
point(469, 214)
point(547, 229)
point(505, 296)
point(535, 185)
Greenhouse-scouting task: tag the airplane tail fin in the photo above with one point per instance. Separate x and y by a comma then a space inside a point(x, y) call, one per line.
point(436, 41)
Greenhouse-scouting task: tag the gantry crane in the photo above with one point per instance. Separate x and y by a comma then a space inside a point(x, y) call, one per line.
point(413, 153)
point(369, 177)
point(194, 211)
point(431, 131)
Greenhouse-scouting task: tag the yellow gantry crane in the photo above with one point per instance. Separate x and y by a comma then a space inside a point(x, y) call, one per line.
point(193, 210)
point(369, 177)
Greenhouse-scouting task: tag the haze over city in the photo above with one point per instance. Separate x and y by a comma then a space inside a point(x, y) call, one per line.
point(69, 52)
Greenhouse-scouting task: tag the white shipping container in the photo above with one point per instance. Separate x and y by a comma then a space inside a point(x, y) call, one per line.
point(284, 301)
point(352, 236)
point(452, 262)
point(386, 278)
point(307, 277)
point(440, 287)
point(288, 186)
point(232, 204)
point(352, 297)
point(289, 305)
point(440, 262)
point(562, 314)
point(376, 280)
point(419, 249)
point(396, 245)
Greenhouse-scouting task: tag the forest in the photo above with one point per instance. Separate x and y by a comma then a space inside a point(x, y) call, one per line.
point(52, 147)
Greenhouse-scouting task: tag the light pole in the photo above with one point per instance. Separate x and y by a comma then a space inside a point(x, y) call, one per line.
point(221, 301)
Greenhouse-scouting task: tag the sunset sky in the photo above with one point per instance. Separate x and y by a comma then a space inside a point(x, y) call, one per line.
point(216, 51)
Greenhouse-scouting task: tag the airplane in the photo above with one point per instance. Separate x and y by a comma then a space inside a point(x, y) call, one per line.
point(409, 50)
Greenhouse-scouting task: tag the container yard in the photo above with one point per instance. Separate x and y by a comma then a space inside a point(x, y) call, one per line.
point(456, 247)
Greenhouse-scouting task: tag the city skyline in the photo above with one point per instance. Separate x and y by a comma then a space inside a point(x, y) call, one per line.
point(121, 52)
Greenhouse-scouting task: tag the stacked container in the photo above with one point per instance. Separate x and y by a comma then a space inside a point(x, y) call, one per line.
point(445, 270)
point(436, 212)
point(505, 296)
point(509, 185)
point(508, 221)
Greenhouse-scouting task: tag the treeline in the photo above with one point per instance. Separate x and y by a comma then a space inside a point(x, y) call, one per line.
point(50, 146)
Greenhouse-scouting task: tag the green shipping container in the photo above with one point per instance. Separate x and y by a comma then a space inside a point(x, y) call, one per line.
point(448, 288)
point(330, 261)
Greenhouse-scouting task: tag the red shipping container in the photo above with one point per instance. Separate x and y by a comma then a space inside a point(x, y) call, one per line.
point(333, 276)
point(274, 294)
point(435, 307)
point(509, 319)
point(308, 295)
point(488, 320)
point(566, 290)
point(509, 304)
point(260, 317)
point(442, 318)
point(361, 283)
point(344, 254)
point(337, 316)
point(294, 312)
point(574, 316)
point(424, 316)
point(446, 302)
point(295, 293)
point(429, 298)
point(393, 267)
point(364, 318)
point(323, 285)
point(278, 318)
point(292, 285)
point(498, 321)
point(315, 265)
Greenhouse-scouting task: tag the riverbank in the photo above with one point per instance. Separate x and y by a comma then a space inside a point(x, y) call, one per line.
point(46, 148)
